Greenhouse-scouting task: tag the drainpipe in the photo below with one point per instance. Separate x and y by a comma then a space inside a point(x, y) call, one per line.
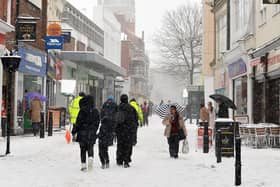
point(228, 24)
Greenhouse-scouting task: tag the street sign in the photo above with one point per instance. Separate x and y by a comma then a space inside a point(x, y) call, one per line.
point(54, 42)
point(67, 36)
point(271, 1)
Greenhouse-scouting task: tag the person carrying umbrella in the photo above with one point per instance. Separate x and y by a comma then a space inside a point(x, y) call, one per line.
point(74, 109)
point(174, 127)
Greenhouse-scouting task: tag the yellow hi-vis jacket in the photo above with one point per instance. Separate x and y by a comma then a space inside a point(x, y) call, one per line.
point(74, 109)
point(138, 110)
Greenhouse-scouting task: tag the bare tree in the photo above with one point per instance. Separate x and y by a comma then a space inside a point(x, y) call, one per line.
point(180, 42)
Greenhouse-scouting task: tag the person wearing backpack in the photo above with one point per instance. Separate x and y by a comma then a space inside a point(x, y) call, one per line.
point(106, 130)
point(86, 127)
point(127, 122)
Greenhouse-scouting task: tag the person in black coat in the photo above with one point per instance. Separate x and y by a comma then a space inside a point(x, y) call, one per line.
point(125, 132)
point(223, 110)
point(106, 130)
point(86, 127)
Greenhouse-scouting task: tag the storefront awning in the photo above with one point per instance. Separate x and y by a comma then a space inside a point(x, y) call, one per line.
point(261, 51)
point(94, 61)
point(5, 27)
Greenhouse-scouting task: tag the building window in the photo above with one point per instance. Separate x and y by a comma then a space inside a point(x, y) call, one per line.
point(240, 95)
point(276, 9)
point(222, 34)
point(262, 13)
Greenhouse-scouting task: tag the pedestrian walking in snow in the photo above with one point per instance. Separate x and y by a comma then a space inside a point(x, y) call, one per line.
point(203, 113)
point(35, 110)
point(145, 110)
point(212, 115)
point(106, 130)
point(74, 109)
point(175, 131)
point(140, 121)
point(86, 127)
point(125, 130)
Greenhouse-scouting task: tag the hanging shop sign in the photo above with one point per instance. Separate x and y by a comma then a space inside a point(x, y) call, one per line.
point(237, 68)
point(271, 1)
point(54, 42)
point(33, 62)
point(26, 31)
point(54, 29)
point(66, 36)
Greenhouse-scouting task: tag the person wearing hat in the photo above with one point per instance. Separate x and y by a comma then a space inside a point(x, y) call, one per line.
point(125, 130)
point(106, 130)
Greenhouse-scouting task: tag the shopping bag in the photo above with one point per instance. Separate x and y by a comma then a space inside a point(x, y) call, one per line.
point(185, 147)
point(68, 136)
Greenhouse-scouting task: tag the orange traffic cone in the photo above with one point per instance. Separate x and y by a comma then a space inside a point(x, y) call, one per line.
point(68, 136)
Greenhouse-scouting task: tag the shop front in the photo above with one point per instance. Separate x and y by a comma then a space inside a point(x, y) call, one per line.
point(237, 72)
point(29, 78)
point(266, 92)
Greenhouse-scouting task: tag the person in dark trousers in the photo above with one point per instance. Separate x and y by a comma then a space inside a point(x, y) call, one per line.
point(145, 110)
point(86, 127)
point(173, 122)
point(125, 131)
point(35, 109)
point(106, 130)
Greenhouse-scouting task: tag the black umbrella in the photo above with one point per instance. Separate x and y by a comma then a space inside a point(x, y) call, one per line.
point(164, 109)
point(223, 99)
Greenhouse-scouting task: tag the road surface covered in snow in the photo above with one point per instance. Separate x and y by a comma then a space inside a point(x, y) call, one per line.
point(50, 162)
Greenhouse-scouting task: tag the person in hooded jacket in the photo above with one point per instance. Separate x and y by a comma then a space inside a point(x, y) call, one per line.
point(140, 120)
point(86, 127)
point(126, 132)
point(106, 130)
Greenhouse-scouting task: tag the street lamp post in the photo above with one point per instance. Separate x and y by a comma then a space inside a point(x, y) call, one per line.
point(10, 64)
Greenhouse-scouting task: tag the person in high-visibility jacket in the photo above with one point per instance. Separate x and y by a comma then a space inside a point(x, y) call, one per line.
point(138, 109)
point(74, 109)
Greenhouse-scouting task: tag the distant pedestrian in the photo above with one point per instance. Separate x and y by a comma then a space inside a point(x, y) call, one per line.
point(35, 110)
point(174, 124)
point(86, 127)
point(125, 130)
point(203, 113)
point(106, 130)
point(145, 110)
point(211, 112)
point(74, 109)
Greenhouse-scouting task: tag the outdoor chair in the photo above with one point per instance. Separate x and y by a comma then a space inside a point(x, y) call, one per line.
point(274, 136)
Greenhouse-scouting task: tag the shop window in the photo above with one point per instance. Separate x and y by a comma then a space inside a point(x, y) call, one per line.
point(240, 95)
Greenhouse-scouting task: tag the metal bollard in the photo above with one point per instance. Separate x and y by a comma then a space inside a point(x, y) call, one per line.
point(50, 124)
point(237, 156)
point(42, 127)
point(205, 138)
point(218, 147)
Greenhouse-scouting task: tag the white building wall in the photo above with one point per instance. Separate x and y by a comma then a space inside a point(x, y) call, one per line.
point(112, 33)
point(208, 88)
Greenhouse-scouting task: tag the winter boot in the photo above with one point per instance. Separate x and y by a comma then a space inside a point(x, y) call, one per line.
point(103, 166)
point(83, 167)
point(107, 165)
point(126, 165)
point(90, 163)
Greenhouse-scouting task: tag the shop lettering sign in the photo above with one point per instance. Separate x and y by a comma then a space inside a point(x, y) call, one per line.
point(271, 1)
point(26, 31)
point(33, 62)
point(237, 68)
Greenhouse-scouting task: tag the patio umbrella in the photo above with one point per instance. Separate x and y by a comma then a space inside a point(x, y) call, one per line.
point(32, 95)
point(164, 109)
point(228, 102)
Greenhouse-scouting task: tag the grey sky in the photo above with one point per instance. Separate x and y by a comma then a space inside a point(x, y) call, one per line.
point(148, 14)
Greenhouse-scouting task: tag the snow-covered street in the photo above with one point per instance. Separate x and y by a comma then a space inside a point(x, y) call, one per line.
point(50, 162)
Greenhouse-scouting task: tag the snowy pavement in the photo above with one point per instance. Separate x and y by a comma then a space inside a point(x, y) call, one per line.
point(50, 162)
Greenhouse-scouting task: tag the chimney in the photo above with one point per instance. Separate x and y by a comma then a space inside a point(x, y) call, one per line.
point(143, 35)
